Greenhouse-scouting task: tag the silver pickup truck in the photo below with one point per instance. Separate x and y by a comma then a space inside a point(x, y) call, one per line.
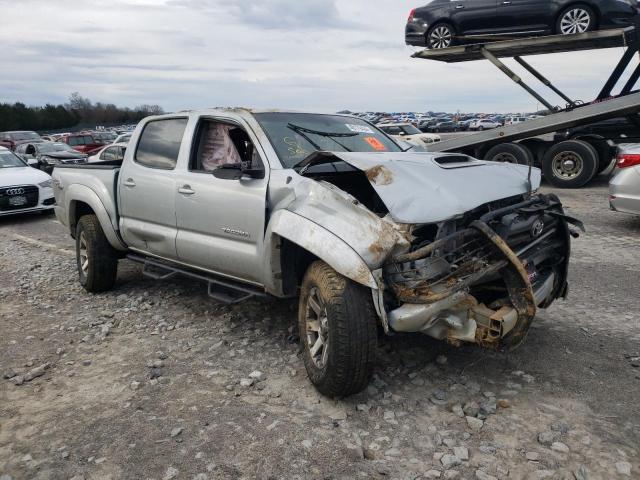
point(329, 209)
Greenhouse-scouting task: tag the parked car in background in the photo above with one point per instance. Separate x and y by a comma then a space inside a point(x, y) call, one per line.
point(484, 124)
point(514, 120)
point(408, 133)
point(328, 209)
point(123, 138)
point(110, 153)
point(441, 23)
point(11, 140)
point(82, 142)
point(624, 187)
point(105, 137)
point(444, 127)
point(46, 155)
point(22, 188)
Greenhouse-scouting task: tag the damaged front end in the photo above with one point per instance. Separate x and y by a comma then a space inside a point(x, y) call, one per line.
point(481, 278)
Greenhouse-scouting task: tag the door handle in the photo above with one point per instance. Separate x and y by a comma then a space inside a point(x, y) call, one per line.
point(129, 183)
point(459, 7)
point(186, 190)
point(506, 3)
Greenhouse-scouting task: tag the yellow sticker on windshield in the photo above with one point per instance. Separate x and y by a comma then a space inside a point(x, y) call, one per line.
point(376, 144)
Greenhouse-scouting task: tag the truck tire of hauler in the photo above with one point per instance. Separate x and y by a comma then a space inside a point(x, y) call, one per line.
point(570, 164)
point(510, 153)
point(338, 331)
point(97, 260)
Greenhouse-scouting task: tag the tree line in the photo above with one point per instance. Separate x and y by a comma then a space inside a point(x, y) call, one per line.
point(79, 111)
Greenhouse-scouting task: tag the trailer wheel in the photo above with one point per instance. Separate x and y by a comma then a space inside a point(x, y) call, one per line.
point(509, 153)
point(338, 331)
point(570, 164)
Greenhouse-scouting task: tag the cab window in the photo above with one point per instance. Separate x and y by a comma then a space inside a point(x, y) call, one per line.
point(159, 143)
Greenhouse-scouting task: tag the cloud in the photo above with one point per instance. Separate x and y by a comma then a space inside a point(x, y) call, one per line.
point(323, 55)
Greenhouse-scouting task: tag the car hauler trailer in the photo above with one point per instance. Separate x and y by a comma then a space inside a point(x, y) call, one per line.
point(565, 163)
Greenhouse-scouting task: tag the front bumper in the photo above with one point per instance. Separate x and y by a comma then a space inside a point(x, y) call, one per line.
point(483, 284)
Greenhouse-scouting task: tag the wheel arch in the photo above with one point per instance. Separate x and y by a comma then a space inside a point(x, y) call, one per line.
point(293, 238)
point(83, 201)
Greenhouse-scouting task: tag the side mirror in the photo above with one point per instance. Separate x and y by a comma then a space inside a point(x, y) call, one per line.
point(235, 171)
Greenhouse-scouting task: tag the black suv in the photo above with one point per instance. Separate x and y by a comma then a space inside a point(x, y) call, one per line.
point(442, 22)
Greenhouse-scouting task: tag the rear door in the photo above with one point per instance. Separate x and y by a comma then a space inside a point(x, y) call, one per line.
point(473, 17)
point(524, 16)
point(147, 187)
point(221, 222)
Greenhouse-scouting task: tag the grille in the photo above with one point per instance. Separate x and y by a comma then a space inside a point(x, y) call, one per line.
point(29, 192)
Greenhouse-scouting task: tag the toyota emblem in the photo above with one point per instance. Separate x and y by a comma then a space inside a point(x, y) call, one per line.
point(15, 191)
point(537, 229)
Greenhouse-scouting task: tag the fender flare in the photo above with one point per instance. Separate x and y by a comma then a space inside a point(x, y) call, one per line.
point(80, 193)
point(320, 242)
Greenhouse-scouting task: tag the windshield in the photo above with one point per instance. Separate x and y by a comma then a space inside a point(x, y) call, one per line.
point(295, 136)
point(10, 160)
point(411, 130)
point(54, 147)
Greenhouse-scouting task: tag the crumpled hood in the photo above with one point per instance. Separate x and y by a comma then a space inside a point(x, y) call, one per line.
point(63, 155)
point(416, 189)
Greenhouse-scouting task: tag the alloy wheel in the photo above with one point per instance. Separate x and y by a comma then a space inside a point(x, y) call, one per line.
point(84, 256)
point(317, 329)
point(576, 20)
point(440, 37)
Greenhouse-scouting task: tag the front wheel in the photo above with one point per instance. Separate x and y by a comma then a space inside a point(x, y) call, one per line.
point(338, 331)
point(576, 19)
point(96, 258)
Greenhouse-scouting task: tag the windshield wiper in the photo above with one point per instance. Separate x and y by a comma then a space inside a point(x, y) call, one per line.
point(302, 130)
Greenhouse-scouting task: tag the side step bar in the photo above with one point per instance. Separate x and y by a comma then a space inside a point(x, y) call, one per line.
point(221, 290)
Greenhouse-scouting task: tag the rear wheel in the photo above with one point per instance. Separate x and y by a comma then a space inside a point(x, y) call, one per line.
point(576, 19)
point(509, 153)
point(97, 260)
point(570, 164)
point(440, 36)
point(338, 331)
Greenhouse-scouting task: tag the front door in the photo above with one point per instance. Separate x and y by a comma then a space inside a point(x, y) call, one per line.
point(473, 17)
point(221, 222)
point(147, 189)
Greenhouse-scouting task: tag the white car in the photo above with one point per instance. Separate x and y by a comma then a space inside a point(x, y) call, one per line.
point(123, 138)
point(484, 124)
point(23, 188)
point(408, 133)
point(624, 188)
point(514, 120)
point(113, 152)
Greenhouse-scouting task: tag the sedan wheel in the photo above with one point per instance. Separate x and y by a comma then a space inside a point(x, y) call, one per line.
point(441, 36)
point(576, 20)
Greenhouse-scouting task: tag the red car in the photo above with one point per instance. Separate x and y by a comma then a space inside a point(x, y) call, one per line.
point(82, 142)
point(11, 140)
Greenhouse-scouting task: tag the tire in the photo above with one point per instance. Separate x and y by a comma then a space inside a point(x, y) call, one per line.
point(99, 272)
point(583, 167)
point(441, 35)
point(605, 152)
point(577, 18)
point(509, 153)
point(343, 364)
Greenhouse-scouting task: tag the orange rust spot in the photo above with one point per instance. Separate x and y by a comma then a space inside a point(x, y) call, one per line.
point(380, 175)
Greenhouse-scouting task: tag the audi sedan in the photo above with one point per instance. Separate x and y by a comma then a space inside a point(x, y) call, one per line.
point(442, 23)
point(22, 188)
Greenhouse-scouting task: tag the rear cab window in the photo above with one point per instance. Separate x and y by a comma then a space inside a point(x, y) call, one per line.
point(159, 143)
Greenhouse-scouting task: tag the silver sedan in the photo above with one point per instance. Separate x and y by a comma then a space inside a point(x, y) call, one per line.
point(624, 188)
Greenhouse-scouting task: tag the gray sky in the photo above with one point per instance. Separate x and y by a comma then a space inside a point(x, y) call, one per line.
point(322, 55)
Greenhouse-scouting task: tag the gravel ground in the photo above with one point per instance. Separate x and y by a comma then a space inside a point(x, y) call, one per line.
point(155, 381)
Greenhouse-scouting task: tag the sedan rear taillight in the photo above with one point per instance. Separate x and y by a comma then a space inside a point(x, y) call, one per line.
point(626, 160)
point(411, 15)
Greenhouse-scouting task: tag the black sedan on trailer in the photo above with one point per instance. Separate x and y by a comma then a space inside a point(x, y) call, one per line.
point(442, 22)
